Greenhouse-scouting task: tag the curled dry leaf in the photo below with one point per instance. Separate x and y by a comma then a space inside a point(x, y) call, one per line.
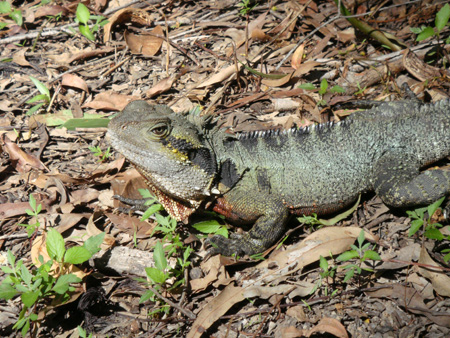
point(328, 325)
point(301, 70)
point(126, 15)
point(438, 277)
point(297, 57)
point(145, 44)
point(49, 10)
point(72, 80)
point(19, 58)
point(110, 101)
point(22, 161)
point(222, 75)
point(162, 86)
point(326, 241)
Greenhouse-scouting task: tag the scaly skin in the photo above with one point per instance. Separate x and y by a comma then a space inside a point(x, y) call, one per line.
point(264, 177)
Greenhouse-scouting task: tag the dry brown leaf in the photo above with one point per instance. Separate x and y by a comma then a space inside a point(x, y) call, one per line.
point(139, 16)
point(92, 230)
point(131, 225)
point(222, 75)
point(19, 58)
point(49, 10)
point(412, 301)
point(145, 44)
point(302, 69)
point(438, 278)
point(110, 101)
point(259, 35)
point(326, 241)
point(72, 80)
point(418, 68)
point(162, 86)
point(21, 161)
point(326, 324)
point(297, 57)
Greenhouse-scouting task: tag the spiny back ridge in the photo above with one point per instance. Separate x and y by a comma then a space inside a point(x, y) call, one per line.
point(322, 127)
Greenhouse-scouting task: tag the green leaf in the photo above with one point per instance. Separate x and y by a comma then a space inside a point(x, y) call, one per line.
point(77, 255)
point(433, 207)
point(307, 86)
point(341, 216)
point(426, 33)
point(433, 233)
point(349, 275)
point(86, 32)
point(337, 89)
point(7, 291)
point(41, 87)
point(442, 17)
point(346, 256)
point(323, 263)
point(323, 87)
point(34, 109)
point(16, 15)
point(29, 298)
point(11, 258)
point(6, 269)
point(151, 210)
point(361, 238)
point(370, 254)
point(146, 296)
point(26, 275)
point(55, 245)
point(159, 257)
point(72, 124)
point(41, 97)
point(5, 7)
point(157, 276)
point(416, 30)
point(63, 283)
point(83, 14)
point(415, 226)
point(32, 202)
point(93, 243)
point(207, 227)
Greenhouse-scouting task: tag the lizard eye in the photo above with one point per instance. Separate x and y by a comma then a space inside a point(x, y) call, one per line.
point(160, 130)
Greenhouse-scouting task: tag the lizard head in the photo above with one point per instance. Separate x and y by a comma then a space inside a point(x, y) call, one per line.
point(166, 148)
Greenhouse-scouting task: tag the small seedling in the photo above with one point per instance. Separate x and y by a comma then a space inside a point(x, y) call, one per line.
point(34, 212)
point(44, 96)
point(15, 14)
point(323, 89)
point(43, 284)
point(83, 17)
point(432, 230)
point(98, 152)
point(362, 253)
point(246, 7)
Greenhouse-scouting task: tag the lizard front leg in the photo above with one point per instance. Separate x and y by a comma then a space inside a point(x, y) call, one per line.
point(268, 213)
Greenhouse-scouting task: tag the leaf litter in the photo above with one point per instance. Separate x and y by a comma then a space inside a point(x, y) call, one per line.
point(246, 70)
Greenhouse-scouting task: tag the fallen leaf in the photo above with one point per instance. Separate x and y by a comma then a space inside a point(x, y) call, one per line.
point(125, 15)
point(438, 278)
point(22, 161)
point(144, 44)
point(297, 57)
point(72, 80)
point(110, 101)
point(162, 86)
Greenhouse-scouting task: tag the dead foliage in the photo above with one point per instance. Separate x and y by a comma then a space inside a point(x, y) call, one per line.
point(246, 70)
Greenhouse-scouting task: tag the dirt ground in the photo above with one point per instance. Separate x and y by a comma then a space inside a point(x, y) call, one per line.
point(66, 71)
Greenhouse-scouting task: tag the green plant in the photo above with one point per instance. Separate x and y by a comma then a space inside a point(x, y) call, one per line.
point(431, 228)
point(326, 274)
point(362, 253)
point(83, 16)
point(323, 89)
point(82, 333)
point(15, 14)
point(45, 283)
point(440, 21)
point(246, 7)
point(34, 212)
point(98, 152)
point(44, 96)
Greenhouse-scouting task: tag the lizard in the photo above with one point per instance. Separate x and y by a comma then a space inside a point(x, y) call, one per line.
point(264, 177)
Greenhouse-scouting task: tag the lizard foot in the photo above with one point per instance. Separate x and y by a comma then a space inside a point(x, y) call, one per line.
point(237, 244)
